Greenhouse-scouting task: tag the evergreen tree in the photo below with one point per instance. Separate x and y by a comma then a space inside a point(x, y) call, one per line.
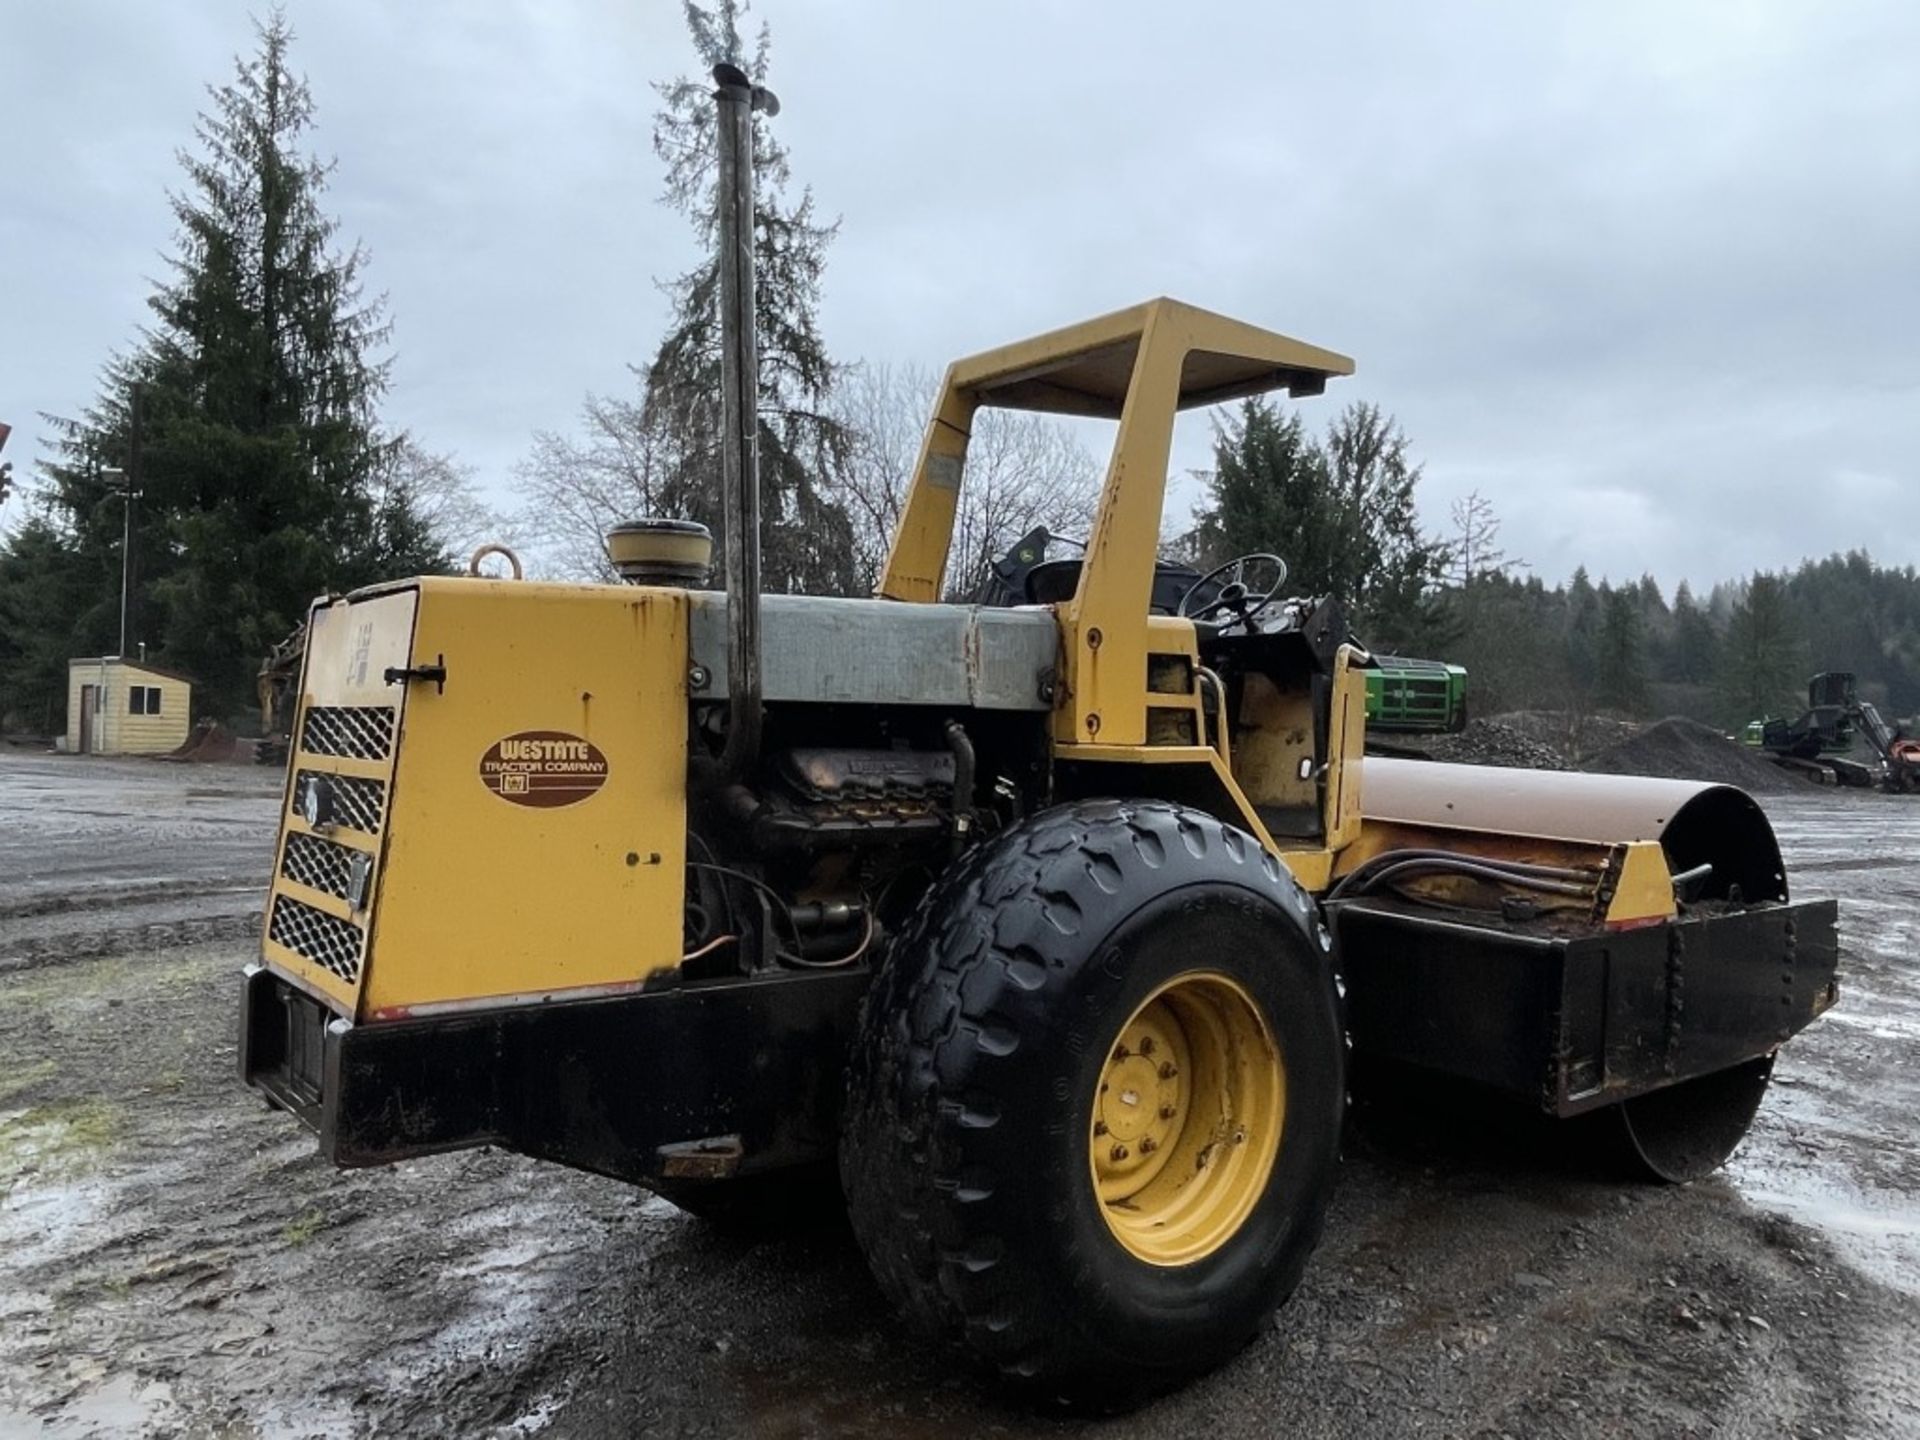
point(1510, 642)
point(1269, 491)
point(1866, 620)
point(1582, 640)
point(1762, 662)
point(49, 594)
point(261, 460)
point(1620, 676)
point(1694, 653)
point(1341, 515)
point(806, 536)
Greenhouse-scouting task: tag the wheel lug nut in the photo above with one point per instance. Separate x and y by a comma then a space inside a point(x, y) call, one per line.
point(1121, 1052)
point(1167, 1112)
point(1167, 1071)
point(1099, 1127)
point(1119, 1152)
point(1148, 1145)
point(1146, 1046)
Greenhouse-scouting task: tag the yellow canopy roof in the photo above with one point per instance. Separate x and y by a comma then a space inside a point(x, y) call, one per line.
point(1085, 369)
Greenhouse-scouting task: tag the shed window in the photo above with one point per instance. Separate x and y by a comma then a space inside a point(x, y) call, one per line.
point(143, 700)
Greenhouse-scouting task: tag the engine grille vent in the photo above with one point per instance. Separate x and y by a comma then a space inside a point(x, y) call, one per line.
point(358, 803)
point(318, 864)
point(317, 937)
point(356, 732)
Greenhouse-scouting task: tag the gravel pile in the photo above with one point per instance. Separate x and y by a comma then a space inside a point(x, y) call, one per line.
point(1681, 749)
point(1491, 742)
point(1571, 736)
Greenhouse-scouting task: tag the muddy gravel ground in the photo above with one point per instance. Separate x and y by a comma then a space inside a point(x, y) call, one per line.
point(174, 1260)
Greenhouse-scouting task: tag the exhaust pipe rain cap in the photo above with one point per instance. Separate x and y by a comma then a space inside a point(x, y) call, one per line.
point(661, 552)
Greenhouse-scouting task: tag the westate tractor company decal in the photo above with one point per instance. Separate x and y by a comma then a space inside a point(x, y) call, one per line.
point(544, 768)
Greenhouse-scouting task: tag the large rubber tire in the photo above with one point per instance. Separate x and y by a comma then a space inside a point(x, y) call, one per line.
point(965, 1150)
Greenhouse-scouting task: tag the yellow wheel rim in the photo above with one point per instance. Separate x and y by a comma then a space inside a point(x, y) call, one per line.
point(1187, 1119)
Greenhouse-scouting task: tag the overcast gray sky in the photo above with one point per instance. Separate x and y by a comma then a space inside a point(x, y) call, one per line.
point(1646, 275)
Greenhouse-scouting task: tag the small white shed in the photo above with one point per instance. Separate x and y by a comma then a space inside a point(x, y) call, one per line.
point(117, 706)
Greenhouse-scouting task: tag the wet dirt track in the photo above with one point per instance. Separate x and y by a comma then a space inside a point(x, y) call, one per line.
point(173, 1259)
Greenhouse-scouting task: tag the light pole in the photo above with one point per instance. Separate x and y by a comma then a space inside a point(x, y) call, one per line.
point(127, 495)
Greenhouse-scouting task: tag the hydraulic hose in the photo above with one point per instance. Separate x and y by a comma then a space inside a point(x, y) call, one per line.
point(1364, 876)
point(1456, 865)
point(963, 768)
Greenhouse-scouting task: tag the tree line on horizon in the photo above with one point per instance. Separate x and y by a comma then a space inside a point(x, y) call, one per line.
point(266, 474)
point(1745, 651)
point(1340, 510)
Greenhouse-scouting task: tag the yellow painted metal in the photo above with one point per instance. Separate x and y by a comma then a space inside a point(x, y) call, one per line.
point(349, 650)
point(1188, 1119)
point(1274, 763)
point(1103, 629)
point(1275, 743)
point(1172, 635)
point(1313, 868)
point(510, 899)
point(1171, 670)
point(917, 561)
point(1227, 802)
point(1222, 740)
point(1086, 368)
point(1182, 356)
point(1643, 890)
point(1347, 742)
point(472, 894)
point(1091, 369)
point(1139, 366)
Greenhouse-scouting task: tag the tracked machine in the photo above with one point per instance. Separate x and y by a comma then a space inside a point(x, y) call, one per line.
point(1819, 742)
point(1042, 930)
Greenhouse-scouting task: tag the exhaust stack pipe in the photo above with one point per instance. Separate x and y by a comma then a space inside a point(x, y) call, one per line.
point(737, 97)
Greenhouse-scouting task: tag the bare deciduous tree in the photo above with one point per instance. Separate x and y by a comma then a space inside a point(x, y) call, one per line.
point(1022, 470)
point(440, 491)
point(575, 489)
point(1475, 551)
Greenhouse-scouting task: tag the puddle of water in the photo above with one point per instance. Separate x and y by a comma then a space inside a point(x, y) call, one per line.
point(538, 1415)
point(120, 1405)
point(38, 1221)
point(1874, 1226)
point(303, 1419)
point(510, 1279)
point(1881, 1026)
point(1879, 1234)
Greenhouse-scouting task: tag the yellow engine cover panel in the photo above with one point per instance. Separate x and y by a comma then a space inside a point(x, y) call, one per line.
point(345, 736)
point(536, 841)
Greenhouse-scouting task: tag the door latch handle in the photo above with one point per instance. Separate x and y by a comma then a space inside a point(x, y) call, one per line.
point(436, 672)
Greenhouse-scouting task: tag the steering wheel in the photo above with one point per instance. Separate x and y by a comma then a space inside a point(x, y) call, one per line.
point(1238, 595)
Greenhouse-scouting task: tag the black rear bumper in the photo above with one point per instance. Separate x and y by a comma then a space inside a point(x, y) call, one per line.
point(695, 1082)
point(1583, 1021)
point(737, 1077)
